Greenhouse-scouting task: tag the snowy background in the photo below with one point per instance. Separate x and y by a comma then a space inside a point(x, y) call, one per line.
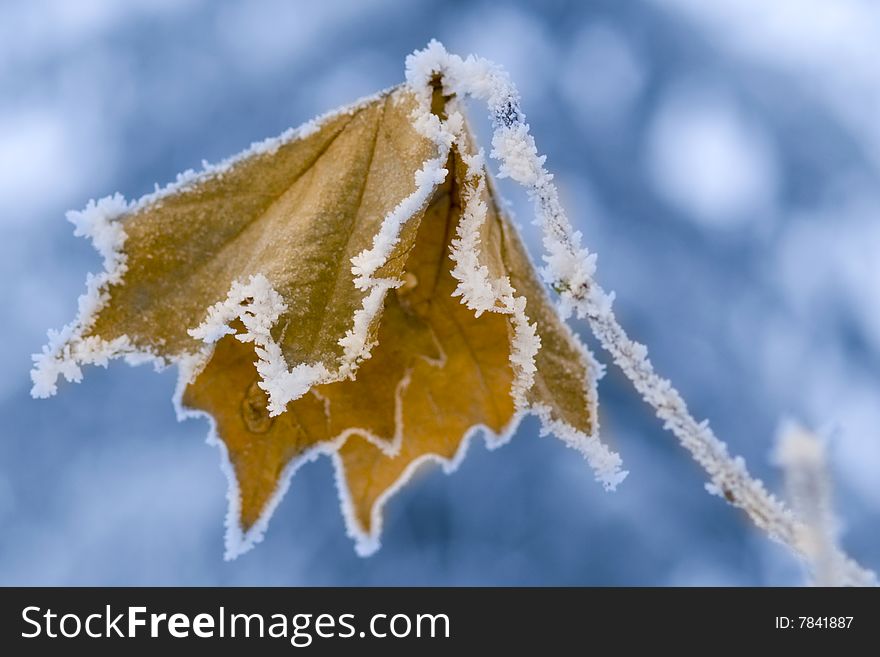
point(722, 157)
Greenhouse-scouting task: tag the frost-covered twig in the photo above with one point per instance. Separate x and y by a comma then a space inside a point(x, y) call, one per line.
point(801, 454)
point(570, 270)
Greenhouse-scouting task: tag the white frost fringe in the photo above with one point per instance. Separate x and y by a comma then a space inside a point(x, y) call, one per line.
point(259, 306)
point(236, 540)
point(366, 543)
point(480, 293)
point(355, 343)
point(570, 270)
point(802, 457)
point(67, 349)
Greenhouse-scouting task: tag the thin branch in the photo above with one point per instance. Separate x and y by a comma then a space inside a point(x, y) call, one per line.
point(570, 270)
point(728, 474)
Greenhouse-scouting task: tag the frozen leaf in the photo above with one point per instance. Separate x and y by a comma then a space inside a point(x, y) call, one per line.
point(350, 288)
point(437, 374)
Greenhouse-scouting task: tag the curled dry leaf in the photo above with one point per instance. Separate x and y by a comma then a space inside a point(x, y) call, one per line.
point(351, 288)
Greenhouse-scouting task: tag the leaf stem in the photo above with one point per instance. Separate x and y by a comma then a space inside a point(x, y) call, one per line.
point(570, 271)
point(728, 474)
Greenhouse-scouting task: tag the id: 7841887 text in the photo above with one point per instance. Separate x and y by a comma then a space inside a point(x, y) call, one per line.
point(814, 622)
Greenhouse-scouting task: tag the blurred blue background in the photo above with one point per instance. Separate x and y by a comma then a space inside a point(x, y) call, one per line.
point(722, 157)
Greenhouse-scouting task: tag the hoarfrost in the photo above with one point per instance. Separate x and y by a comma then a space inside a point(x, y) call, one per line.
point(258, 306)
point(67, 349)
point(355, 343)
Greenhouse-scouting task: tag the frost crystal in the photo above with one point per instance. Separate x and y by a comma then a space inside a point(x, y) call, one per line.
point(68, 349)
point(258, 307)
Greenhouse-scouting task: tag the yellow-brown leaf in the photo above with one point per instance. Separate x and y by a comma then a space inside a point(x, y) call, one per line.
point(436, 374)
